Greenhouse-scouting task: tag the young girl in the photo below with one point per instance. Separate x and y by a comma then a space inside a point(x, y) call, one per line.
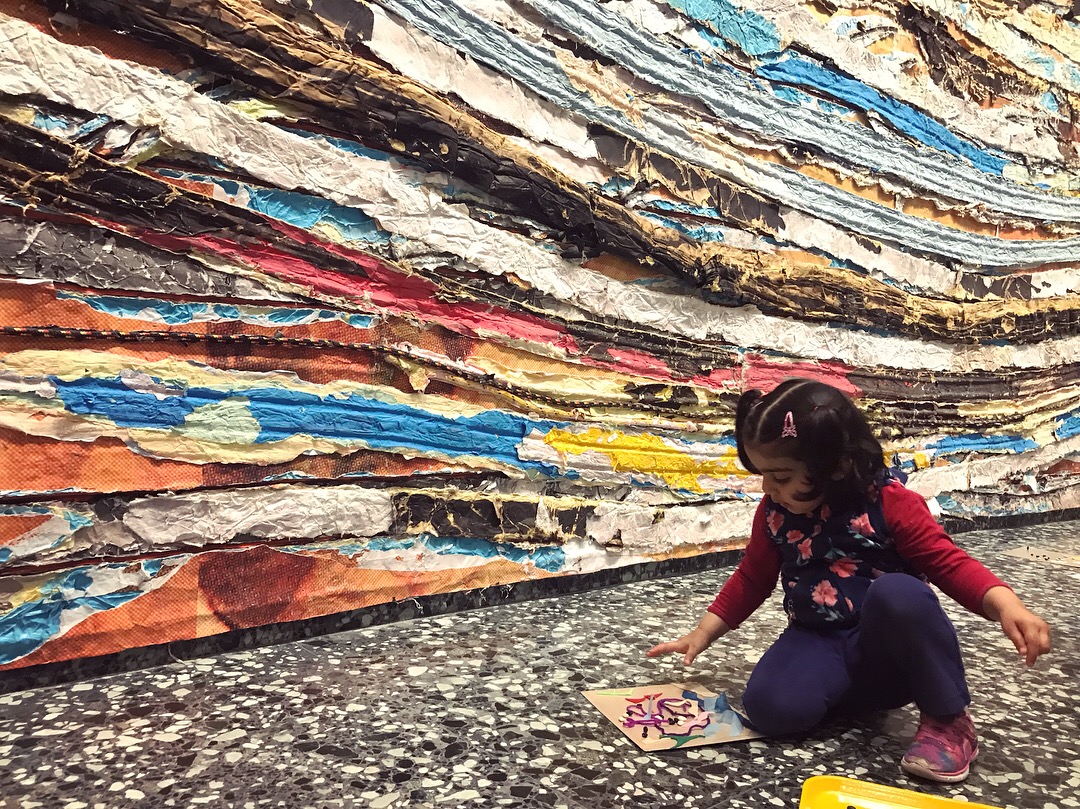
point(851, 547)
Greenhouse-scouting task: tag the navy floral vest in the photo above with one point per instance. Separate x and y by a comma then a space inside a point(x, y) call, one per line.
point(829, 559)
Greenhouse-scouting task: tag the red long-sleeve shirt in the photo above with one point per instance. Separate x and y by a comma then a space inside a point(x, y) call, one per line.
point(919, 539)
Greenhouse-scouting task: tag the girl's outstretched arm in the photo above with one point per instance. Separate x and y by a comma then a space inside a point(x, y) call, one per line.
point(695, 641)
point(923, 542)
point(750, 584)
point(753, 579)
point(1029, 633)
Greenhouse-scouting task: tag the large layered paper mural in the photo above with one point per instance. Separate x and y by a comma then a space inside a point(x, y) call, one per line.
point(312, 305)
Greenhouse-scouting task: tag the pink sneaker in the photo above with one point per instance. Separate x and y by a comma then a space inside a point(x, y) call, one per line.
point(943, 749)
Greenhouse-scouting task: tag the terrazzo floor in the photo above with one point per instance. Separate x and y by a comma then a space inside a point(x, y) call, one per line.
point(483, 708)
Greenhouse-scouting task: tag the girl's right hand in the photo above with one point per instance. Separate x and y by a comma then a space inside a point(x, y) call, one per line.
point(689, 645)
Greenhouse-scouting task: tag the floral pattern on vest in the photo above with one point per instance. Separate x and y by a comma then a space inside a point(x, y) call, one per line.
point(829, 559)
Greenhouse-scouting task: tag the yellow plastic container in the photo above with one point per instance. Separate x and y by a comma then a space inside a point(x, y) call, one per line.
point(834, 792)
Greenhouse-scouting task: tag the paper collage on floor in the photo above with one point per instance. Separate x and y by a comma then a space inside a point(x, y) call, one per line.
point(672, 715)
point(308, 307)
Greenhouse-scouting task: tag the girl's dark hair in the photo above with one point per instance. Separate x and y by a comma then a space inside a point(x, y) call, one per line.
point(829, 430)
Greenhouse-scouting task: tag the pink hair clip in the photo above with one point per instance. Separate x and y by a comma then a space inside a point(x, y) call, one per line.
point(789, 426)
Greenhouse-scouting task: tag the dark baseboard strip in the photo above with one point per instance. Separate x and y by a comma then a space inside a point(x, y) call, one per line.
point(956, 525)
point(441, 604)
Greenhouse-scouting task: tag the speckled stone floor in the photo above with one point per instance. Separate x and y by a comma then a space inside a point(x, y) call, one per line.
point(483, 708)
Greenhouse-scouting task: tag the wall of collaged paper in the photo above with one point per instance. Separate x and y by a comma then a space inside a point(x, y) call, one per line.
point(312, 305)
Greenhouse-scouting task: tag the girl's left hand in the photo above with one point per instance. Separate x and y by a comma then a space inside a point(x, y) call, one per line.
point(1029, 633)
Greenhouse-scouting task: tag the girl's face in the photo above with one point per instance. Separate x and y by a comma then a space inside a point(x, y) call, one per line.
point(785, 480)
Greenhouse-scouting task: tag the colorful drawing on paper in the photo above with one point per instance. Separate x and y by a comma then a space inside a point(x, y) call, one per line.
point(673, 715)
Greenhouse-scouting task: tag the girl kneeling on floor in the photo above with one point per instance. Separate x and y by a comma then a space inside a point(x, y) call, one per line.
point(852, 549)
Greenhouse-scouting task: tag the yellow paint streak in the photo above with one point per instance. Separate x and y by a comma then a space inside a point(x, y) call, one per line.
point(31, 589)
point(259, 109)
point(647, 455)
point(19, 113)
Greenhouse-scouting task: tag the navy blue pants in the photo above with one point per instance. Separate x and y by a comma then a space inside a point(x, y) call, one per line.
point(903, 650)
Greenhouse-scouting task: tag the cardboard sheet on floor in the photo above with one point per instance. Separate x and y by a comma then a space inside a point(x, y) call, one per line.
point(665, 717)
point(1035, 553)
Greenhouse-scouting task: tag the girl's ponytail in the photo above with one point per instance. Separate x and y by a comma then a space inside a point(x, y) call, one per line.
point(744, 430)
point(743, 408)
